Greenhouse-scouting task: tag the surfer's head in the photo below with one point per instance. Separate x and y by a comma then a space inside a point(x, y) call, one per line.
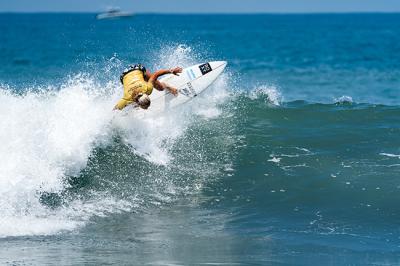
point(144, 101)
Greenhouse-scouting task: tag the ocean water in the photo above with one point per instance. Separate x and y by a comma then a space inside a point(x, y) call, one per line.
point(292, 157)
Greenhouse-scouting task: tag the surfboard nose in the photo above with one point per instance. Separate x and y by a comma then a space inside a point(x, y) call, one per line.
point(218, 65)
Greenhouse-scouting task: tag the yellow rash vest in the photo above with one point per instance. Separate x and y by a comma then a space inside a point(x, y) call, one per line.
point(133, 83)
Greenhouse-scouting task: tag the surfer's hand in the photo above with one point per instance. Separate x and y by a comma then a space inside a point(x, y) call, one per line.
point(176, 70)
point(173, 91)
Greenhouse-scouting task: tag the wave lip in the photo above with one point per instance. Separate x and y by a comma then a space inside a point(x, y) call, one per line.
point(270, 94)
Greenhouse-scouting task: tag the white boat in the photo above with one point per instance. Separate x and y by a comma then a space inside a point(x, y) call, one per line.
point(114, 13)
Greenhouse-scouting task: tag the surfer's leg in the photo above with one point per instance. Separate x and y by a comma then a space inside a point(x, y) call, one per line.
point(164, 86)
point(159, 85)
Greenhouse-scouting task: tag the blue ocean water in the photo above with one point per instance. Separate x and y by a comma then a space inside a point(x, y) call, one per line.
point(291, 157)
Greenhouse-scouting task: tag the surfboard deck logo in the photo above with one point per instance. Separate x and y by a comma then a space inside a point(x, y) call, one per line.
point(190, 73)
point(205, 68)
point(188, 90)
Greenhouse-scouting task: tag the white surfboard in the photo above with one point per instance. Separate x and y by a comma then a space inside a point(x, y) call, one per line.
point(190, 83)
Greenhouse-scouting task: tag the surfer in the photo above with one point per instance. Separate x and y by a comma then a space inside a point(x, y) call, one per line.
point(139, 83)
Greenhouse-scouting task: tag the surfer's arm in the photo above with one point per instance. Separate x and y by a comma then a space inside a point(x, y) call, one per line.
point(162, 72)
point(161, 85)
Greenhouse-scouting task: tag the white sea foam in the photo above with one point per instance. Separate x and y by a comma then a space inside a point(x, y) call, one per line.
point(208, 104)
point(46, 135)
point(275, 159)
point(390, 155)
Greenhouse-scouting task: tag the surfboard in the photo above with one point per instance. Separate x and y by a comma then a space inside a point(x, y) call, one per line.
point(190, 83)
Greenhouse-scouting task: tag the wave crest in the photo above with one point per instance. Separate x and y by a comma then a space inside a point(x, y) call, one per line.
point(269, 93)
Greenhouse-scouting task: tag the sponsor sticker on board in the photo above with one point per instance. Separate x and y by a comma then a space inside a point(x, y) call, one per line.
point(205, 68)
point(188, 90)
